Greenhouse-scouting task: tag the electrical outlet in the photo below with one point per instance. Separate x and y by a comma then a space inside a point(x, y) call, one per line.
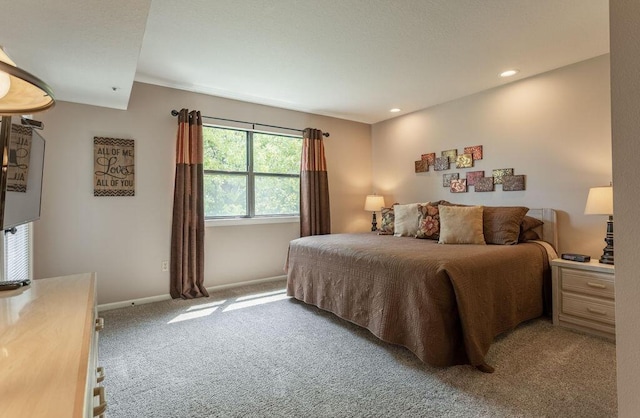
point(165, 265)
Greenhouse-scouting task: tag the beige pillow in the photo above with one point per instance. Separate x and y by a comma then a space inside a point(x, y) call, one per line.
point(461, 225)
point(405, 222)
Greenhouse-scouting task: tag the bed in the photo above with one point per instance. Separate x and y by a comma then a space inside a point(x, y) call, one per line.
point(445, 303)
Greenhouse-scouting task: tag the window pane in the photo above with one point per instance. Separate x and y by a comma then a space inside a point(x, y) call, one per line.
point(225, 195)
point(277, 195)
point(276, 154)
point(224, 149)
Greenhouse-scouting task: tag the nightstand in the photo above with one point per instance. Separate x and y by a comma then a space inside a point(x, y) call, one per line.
point(584, 297)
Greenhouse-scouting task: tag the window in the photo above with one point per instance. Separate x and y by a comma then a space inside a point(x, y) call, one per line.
point(18, 253)
point(248, 174)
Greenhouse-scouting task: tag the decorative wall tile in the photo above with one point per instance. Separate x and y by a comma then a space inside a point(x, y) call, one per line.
point(501, 172)
point(464, 161)
point(429, 158)
point(475, 151)
point(513, 183)
point(483, 184)
point(442, 163)
point(451, 154)
point(446, 179)
point(458, 186)
point(422, 166)
point(472, 176)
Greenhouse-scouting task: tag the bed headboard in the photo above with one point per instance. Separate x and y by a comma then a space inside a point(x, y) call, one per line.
point(549, 230)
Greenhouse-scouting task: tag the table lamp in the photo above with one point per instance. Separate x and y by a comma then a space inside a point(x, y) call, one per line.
point(600, 202)
point(373, 203)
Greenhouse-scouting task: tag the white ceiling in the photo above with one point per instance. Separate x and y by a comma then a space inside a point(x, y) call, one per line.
point(351, 59)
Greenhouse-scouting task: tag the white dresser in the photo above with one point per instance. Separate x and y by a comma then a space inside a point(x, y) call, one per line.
point(584, 297)
point(49, 349)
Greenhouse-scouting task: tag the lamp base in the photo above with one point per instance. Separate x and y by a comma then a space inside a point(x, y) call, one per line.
point(374, 223)
point(606, 260)
point(607, 255)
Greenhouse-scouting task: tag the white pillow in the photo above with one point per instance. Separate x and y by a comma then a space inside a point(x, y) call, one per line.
point(405, 223)
point(461, 225)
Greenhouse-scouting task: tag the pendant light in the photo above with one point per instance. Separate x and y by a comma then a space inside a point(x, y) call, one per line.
point(20, 91)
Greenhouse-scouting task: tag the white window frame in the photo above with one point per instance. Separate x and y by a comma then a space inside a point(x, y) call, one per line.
point(250, 218)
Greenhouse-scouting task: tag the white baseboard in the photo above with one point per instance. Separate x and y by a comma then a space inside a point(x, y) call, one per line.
point(150, 299)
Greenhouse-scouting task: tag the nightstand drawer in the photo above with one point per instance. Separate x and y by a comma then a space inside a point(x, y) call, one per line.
point(590, 283)
point(589, 308)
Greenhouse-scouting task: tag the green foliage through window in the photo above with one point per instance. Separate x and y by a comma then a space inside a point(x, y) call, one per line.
point(249, 174)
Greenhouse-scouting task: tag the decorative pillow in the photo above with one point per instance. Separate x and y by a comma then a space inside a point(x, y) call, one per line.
point(447, 203)
point(387, 220)
point(406, 220)
point(502, 224)
point(529, 235)
point(428, 222)
point(528, 223)
point(461, 225)
point(527, 227)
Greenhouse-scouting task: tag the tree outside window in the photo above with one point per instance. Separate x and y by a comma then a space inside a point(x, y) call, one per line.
point(249, 174)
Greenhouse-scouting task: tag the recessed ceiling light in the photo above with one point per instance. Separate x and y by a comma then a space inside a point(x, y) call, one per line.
point(509, 73)
point(394, 110)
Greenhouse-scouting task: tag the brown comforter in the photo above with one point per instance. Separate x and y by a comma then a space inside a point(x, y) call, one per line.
point(445, 303)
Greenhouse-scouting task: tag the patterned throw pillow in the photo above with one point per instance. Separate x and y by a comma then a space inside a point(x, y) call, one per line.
point(428, 222)
point(387, 221)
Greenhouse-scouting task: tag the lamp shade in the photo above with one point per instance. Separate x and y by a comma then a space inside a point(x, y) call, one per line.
point(599, 201)
point(20, 91)
point(373, 203)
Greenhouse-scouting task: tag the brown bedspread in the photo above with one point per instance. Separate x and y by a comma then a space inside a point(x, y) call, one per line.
point(445, 303)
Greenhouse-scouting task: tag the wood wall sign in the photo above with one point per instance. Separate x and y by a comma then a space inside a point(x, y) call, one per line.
point(113, 167)
point(18, 158)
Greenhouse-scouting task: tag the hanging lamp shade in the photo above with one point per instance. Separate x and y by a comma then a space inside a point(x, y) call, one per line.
point(20, 91)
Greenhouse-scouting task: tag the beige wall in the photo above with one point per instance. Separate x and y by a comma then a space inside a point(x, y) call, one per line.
point(625, 102)
point(554, 128)
point(124, 239)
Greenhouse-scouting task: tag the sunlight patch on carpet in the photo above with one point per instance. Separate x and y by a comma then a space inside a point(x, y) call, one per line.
point(206, 309)
point(255, 301)
point(206, 305)
point(192, 315)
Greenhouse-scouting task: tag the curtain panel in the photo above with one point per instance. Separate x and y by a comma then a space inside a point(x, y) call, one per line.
point(315, 217)
point(187, 232)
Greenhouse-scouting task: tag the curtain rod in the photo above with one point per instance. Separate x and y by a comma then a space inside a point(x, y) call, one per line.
point(254, 124)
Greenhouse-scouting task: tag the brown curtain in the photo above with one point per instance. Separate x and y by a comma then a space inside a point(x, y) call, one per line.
point(187, 232)
point(315, 218)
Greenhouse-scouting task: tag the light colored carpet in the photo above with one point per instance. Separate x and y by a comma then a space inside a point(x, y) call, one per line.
point(252, 352)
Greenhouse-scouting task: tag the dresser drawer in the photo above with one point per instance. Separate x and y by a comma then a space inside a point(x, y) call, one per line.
point(588, 308)
point(589, 283)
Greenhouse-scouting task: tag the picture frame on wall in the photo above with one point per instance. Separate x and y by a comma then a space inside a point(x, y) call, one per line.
point(475, 151)
point(499, 173)
point(114, 167)
point(442, 163)
point(447, 178)
point(464, 161)
point(421, 166)
point(458, 186)
point(430, 158)
point(484, 184)
point(473, 176)
point(513, 183)
point(451, 154)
